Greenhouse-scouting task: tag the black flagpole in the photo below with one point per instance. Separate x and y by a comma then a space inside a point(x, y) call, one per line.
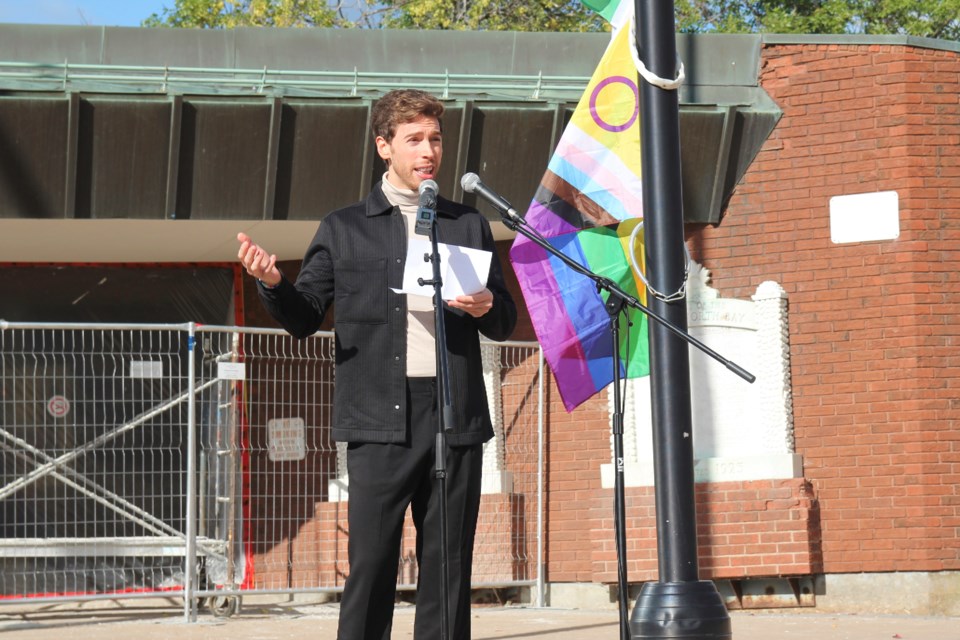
point(679, 605)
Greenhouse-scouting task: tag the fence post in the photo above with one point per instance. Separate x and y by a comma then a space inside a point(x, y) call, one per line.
point(541, 582)
point(189, 602)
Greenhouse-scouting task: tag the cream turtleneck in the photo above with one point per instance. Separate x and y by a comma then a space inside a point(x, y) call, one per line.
point(421, 340)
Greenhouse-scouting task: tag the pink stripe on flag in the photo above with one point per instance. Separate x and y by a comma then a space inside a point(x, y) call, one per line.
point(586, 161)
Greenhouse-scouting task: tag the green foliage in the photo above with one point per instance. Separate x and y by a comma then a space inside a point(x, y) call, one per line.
point(492, 15)
point(500, 15)
point(224, 14)
point(927, 18)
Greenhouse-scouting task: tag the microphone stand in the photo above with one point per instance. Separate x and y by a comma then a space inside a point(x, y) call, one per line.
point(444, 423)
point(616, 301)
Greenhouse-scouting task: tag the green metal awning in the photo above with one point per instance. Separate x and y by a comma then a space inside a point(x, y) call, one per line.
point(272, 124)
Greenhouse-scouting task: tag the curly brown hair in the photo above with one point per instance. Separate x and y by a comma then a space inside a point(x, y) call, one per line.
point(399, 107)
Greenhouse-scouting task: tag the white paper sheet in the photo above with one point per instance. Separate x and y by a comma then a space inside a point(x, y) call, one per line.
point(463, 270)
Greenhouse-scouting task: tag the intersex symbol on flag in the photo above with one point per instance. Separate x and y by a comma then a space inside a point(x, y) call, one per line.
point(589, 204)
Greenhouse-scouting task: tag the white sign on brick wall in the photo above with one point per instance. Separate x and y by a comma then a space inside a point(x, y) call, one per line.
point(865, 217)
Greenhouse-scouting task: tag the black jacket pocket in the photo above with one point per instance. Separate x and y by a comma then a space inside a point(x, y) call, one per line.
point(361, 291)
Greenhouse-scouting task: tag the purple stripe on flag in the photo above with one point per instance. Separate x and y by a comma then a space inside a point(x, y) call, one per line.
point(552, 322)
point(545, 221)
point(585, 308)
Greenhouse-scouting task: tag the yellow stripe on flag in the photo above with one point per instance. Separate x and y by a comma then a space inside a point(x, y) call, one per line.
point(609, 110)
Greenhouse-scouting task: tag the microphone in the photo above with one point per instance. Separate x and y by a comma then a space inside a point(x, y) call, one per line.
point(427, 209)
point(471, 184)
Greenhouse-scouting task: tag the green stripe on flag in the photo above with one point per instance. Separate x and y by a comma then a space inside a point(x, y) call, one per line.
point(606, 8)
point(604, 251)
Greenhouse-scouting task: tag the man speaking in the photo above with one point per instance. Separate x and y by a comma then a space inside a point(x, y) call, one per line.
point(385, 397)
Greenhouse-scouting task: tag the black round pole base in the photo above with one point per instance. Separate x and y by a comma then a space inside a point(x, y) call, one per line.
point(687, 610)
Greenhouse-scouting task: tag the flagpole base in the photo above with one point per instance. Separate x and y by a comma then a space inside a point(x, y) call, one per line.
point(683, 610)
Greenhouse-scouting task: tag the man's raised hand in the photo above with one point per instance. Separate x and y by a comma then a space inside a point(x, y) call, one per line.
point(257, 262)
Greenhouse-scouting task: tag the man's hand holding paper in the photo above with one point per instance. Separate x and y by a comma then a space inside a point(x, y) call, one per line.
point(463, 271)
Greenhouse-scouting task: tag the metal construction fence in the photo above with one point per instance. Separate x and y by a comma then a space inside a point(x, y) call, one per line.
point(197, 461)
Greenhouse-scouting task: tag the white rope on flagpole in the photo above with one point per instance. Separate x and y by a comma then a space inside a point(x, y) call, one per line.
point(681, 293)
point(646, 74)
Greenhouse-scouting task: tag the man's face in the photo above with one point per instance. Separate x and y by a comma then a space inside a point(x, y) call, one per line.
point(414, 153)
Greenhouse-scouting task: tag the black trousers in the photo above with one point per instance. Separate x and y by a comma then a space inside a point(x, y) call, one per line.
point(384, 480)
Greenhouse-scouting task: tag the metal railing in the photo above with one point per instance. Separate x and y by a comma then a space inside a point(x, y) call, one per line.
point(197, 461)
point(275, 82)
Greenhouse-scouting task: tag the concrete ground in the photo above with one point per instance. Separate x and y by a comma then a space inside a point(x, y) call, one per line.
point(161, 619)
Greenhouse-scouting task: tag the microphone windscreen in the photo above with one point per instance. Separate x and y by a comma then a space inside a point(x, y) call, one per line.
point(428, 194)
point(469, 182)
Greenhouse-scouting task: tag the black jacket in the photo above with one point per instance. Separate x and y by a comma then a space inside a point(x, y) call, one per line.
point(356, 257)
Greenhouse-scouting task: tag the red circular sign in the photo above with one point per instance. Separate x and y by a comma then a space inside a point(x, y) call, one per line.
point(58, 406)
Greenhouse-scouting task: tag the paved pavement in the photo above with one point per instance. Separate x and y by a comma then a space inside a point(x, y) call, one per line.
point(163, 619)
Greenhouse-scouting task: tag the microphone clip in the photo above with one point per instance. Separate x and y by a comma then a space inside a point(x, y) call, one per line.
point(427, 209)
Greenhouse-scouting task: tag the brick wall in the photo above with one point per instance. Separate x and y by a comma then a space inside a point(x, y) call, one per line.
point(744, 529)
point(577, 444)
point(874, 336)
point(314, 552)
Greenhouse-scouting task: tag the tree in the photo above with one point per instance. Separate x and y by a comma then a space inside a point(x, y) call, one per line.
point(224, 14)
point(492, 15)
point(928, 18)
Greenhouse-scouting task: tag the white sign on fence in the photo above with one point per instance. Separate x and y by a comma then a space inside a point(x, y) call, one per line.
point(286, 439)
point(146, 369)
point(231, 370)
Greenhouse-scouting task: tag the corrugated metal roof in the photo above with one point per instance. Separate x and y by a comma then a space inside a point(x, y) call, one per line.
point(488, 61)
point(111, 123)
